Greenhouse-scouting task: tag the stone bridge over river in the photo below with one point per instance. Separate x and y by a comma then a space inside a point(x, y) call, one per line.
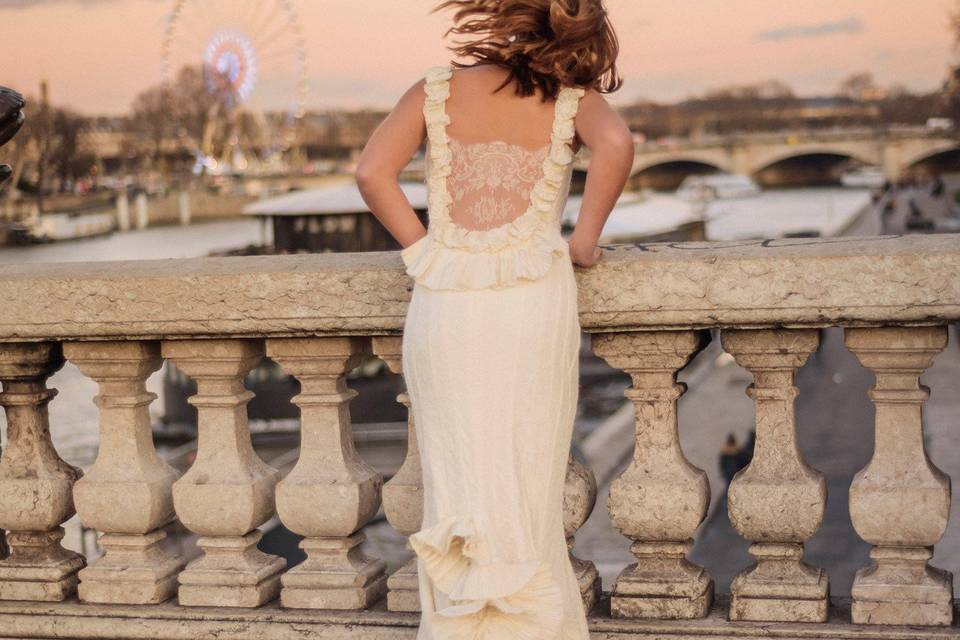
point(785, 157)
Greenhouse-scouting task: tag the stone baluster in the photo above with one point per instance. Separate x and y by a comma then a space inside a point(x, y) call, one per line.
point(778, 500)
point(228, 491)
point(660, 499)
point(403, 494)
point(127, 494)
point(36, 494)
point(900, 501)
point(579, 498)
point(331, 493)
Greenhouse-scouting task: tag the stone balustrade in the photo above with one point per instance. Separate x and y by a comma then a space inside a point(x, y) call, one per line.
point(648, 310)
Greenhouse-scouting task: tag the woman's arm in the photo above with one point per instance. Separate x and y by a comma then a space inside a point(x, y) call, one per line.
point(604, 132)
point(386, 153)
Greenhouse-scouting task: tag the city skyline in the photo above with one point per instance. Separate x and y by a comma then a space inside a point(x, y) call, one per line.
point(98, 54)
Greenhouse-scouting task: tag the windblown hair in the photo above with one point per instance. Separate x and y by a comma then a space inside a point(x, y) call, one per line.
point(544, 44)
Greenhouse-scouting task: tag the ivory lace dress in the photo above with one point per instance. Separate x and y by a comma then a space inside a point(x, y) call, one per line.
point(490, 357)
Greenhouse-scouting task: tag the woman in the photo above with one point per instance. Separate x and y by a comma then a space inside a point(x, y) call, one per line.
point(491, 339)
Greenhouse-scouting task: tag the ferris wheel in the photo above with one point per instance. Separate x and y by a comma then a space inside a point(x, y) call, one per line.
point(250, 51)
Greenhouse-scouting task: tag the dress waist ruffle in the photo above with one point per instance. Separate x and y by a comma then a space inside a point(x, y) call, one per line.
point(437, 266)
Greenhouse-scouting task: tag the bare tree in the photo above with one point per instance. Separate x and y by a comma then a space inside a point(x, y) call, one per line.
point(861, 87)
point(200, 108)
point(765, 90)
point(67, 160)
point(151, 119)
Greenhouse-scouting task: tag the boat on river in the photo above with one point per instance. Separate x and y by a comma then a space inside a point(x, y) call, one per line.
point(717, 186)
point(866, 177)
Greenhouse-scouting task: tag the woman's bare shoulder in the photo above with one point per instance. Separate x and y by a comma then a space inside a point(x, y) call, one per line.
point(483, 77)
point(593, 105)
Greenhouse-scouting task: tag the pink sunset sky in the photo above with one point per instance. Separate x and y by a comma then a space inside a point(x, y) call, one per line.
point(97, 54)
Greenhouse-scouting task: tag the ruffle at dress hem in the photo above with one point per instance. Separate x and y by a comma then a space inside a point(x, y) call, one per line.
point(492, 600)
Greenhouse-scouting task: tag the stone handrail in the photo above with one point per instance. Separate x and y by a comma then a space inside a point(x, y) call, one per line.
point(648, 309)
point(756, 283)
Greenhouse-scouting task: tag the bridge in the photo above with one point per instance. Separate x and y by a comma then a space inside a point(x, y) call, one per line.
point(649, 310)
point(792, 156)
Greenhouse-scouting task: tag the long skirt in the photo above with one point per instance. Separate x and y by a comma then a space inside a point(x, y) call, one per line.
point(493, 376)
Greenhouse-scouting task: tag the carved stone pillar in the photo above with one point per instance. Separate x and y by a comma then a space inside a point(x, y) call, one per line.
point(228, 492)
point(778, 500)
point(403, 494)
point(579, 498)
point(127, 494)
point(660, 499)
point(331, 493)
point(900, 501)
point(36, 494)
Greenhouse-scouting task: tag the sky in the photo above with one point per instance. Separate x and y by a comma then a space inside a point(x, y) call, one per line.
point(98, 54)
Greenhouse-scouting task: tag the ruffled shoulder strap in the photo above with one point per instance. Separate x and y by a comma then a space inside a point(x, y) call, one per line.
point(436, 88)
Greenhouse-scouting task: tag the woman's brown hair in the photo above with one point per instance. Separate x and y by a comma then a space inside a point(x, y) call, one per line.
point(545, 44)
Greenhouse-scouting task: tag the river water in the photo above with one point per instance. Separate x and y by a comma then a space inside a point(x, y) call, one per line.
point(147, 244)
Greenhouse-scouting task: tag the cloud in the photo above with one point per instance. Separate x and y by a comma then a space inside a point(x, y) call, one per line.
point(852, 25)
point(29, 4)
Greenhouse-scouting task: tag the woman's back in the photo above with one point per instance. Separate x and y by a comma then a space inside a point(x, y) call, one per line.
point(495, 190)
point(498, 142)
point(477, 114)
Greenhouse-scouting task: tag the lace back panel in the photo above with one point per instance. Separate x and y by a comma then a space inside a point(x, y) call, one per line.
point(490, 182)
point(494, 208)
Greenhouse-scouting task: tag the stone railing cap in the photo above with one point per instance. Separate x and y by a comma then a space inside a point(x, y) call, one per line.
point(789, 282)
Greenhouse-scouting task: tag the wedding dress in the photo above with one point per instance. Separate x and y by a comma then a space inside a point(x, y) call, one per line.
point(490, 358)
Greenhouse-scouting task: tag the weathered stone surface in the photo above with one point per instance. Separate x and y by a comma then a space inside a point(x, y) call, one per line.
point(579, 498)
point(332, 492)
point(778, 500)
point(900, 501)
point(403, 494)
point(654, 286)
point(229, 490)
point(36, 485)
point(127, 493)
point(169, 622)
point(660, 499)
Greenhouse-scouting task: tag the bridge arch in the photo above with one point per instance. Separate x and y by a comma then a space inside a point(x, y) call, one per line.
point(668, 172)
point(715, 162)
point(806, 166)
point(781, 155)
point(946, 148)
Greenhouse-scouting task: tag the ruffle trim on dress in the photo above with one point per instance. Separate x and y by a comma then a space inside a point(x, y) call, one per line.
point(521, 249)
point(438, 267)
point(490, 601)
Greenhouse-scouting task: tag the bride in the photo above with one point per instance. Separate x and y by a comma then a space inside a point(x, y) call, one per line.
point(492, 336)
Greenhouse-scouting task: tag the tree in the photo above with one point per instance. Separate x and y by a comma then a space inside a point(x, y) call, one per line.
point(861, 87)
point(200, 108)
point(151, 118)
point(66, 159)
point(764, 90)
point(196, 108)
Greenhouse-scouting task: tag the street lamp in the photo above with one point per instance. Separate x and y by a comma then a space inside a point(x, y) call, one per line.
point(11, 119)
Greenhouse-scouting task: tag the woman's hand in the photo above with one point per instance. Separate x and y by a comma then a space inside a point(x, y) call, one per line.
point(584, 253)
